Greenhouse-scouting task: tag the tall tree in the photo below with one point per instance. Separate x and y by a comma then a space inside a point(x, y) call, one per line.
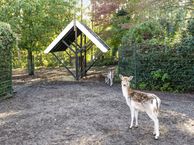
point(35, 22)
point(102, 11)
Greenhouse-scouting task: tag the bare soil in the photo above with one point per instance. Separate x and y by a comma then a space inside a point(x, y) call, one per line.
point(51, 108)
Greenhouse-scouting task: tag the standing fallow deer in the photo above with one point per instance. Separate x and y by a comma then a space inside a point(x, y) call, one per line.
point(141, 101)
point(109, 77)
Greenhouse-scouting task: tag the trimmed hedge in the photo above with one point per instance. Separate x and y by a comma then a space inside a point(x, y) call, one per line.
point(167, 71)
point(7, 40)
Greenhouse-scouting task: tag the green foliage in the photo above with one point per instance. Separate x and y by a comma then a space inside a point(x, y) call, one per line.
point(155, 65)
point(146, 31)
point(185, 47)
point(121, 12)
point(36, 23)
point(159, 51)
point(191, 27)
point(7, 37)
point(117, 30)
point(106, 62)
point(160, 71)
point(7, 41)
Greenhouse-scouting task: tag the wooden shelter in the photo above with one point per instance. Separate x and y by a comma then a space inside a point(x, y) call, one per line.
point(68, 39)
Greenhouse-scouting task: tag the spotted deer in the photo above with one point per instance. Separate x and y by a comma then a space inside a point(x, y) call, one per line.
point(109, 77)
point(141, 101)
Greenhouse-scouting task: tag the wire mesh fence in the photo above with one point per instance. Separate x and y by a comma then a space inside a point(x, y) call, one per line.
point(6, 43)
point(158, 68)
point(5, 72)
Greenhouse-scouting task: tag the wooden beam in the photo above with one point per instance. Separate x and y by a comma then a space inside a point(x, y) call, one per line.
point(80, 50)
point(89, 47)
point(88, 43)
point(64, 65)
point(92, 62)
point(75, 44)
point(68, 46)
point(68, 53)
point(85, 46)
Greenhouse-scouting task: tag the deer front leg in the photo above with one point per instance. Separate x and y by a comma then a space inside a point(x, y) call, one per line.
point(111, 82)
point(132, 116)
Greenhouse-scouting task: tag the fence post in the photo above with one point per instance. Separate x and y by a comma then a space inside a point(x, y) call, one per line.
point(119, 61)
point(135, 63)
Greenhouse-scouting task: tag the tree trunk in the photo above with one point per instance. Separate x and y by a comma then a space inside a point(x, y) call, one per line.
point(30, 62)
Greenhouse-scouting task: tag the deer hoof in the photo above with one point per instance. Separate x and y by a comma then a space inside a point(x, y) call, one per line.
point(156, 137)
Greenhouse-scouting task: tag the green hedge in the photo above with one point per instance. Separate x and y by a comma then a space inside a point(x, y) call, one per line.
point(157, 66)
point(167, 71)
point(7, 40)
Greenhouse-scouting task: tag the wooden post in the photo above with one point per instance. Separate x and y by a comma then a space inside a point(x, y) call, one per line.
point(81, 43)
point(85, 60)
point(30, 62)
point(76, 53)
point(81, 56)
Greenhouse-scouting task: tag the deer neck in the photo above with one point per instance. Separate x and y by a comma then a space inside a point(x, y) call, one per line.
point(125, 91)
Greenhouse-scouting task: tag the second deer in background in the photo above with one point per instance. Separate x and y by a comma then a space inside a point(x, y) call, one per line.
point(109, 77)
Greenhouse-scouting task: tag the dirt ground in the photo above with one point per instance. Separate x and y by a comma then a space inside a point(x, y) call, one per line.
point(52, 109)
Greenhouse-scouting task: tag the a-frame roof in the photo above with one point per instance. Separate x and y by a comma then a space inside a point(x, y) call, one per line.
point(68, 35)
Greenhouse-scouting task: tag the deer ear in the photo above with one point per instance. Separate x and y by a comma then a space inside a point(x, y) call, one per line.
point(121, 76)
point(130, 78)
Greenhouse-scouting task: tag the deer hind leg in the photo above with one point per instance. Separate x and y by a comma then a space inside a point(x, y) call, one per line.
point(106, 80)
point(154, 117)
point(109, 81)
point(136, 118)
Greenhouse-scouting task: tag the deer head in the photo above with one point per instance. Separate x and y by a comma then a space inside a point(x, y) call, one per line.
point(125, 81)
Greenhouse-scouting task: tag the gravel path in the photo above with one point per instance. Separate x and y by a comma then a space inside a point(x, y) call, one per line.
point(89, 113)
